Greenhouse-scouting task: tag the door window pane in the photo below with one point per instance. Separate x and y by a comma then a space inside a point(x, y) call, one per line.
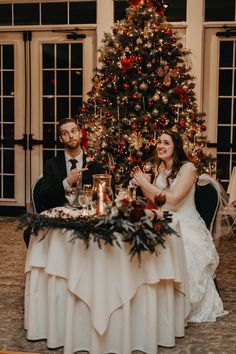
point(234, 121)
point(54, 13)
point(8, 109)
point(223, 138)
point(6, 15)
point(48, 56)
point(8, 134)
point(9, 190)
point(48, 109)
point(225, 82)
point(77, 55)
point(48, 82)
point(76, 104)
point(226, 54)
point(8, 161)
point(62, 82)
point(223, 166)
point(62, 108)
point(8, 57)
point(218, 10)
point(83, 12)
point(48, 135)
point(224, 110)
point(8, 83)
point(26, 14)
point(76, 82)
point(62, 56)
point(234, 139)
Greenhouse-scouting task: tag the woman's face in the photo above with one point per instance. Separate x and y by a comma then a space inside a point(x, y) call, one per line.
point(165, 147)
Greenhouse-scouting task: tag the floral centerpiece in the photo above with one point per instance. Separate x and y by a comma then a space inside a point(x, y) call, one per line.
point(129, 221)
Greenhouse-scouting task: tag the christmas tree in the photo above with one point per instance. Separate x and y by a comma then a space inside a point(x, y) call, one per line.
point(142, 86)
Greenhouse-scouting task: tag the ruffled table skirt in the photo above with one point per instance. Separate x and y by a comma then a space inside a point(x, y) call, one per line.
point(98, 300)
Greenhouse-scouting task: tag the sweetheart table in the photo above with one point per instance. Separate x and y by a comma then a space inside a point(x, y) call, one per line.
point(101, 301)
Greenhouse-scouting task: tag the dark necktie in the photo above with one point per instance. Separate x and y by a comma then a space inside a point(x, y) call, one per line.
point(73, 163)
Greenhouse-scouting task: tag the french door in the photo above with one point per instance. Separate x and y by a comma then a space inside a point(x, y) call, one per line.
point(220, 99)
point(44, 77)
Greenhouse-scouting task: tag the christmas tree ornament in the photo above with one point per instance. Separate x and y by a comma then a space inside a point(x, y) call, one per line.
point(143, 86)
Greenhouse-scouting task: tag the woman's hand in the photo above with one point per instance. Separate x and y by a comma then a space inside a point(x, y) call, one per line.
point(140, 178)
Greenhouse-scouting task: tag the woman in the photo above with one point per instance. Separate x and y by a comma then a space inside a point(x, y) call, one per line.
point(174, 186)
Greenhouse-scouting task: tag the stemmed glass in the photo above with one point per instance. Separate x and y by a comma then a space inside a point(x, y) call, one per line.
point(85, 199)
point(71, 194)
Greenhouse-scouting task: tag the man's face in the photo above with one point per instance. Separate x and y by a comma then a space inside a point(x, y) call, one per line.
point(70, 136)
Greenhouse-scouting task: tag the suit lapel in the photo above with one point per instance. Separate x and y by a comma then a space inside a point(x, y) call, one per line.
point(62, 165)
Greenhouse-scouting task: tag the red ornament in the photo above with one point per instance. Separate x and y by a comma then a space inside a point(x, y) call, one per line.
point(126, 64)
point(125, 32)
point(122, 143)
point(83, 110)
point(108, 116)
point(179, 90)
point(182, 122)
point(145, 118)
point(126, 86)
point(203, 128)
point(100, 99)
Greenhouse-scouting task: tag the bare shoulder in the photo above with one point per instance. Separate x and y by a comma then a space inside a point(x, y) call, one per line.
point(188, 166)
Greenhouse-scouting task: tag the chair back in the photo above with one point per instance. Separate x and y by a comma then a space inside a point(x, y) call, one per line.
point(207, 203)
point(35, 195)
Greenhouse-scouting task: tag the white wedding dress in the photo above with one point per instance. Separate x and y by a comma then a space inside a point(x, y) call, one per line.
point(201, 256)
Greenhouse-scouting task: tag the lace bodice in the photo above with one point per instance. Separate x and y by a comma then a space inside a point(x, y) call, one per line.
point(187, 205)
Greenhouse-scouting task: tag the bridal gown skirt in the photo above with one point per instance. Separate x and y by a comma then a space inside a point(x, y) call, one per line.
point(98, 300)
point(202, 260)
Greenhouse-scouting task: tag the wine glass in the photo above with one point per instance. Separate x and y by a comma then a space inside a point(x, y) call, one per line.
point(71, 195)
point(84, 199)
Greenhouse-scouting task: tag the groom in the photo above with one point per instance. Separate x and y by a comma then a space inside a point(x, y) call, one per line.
point(66, 169)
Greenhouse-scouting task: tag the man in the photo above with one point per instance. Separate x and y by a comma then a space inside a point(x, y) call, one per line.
point(66, 169)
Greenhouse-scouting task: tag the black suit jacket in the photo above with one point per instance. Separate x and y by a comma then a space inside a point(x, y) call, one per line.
point(52, 192)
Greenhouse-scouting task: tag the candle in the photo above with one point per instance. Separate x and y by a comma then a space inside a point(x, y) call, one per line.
point(101, 206)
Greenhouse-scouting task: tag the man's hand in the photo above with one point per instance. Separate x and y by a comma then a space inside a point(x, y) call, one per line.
point(75, 175)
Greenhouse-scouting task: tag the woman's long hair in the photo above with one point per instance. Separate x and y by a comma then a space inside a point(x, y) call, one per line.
point(179, 155)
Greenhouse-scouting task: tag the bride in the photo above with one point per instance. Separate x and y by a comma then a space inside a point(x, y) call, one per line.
point(174, 185)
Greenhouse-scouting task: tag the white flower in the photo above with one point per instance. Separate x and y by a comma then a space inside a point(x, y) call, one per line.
point(114, 211)
point(89, 159)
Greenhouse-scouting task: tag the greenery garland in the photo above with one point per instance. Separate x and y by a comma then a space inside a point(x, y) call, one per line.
point(127, 222)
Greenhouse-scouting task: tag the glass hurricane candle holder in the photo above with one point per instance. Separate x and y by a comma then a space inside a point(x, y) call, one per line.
point(102, 193)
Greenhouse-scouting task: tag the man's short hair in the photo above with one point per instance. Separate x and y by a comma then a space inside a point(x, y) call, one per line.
point(65, 121)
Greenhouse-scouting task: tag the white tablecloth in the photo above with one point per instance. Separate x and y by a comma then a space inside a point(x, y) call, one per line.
point(98, 300)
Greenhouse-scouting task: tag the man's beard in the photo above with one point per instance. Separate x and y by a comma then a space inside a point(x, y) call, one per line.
point(73, 145)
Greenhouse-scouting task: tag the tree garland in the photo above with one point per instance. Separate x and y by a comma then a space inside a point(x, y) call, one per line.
point(127, 222)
